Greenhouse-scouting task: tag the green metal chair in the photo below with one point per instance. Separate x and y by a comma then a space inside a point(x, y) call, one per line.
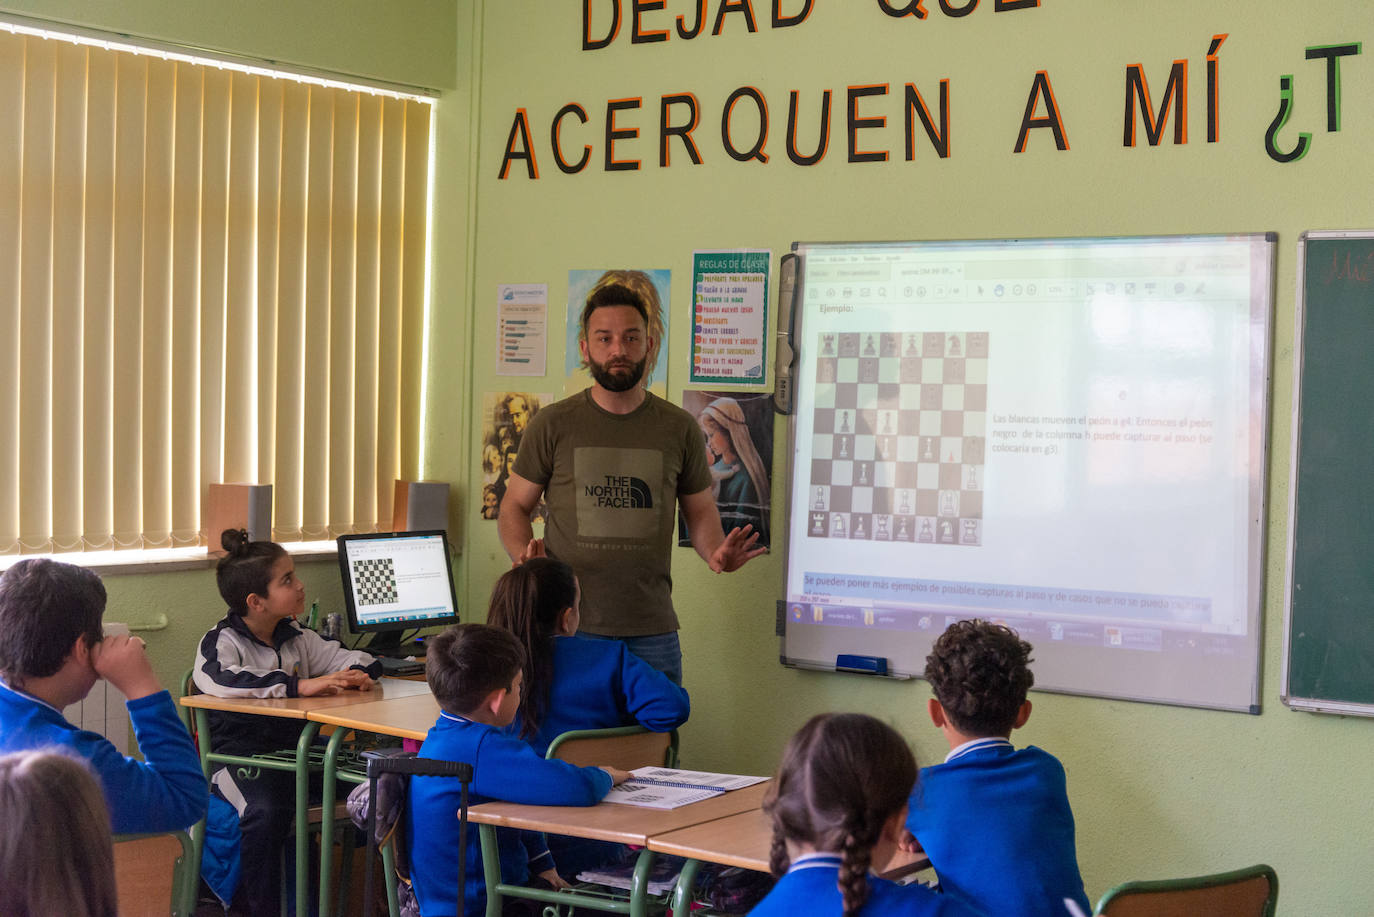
point(1250, 892)
point(150, 868)
point(625, 747)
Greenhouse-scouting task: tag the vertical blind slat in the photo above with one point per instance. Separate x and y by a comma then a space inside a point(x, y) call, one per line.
point(69, 180)
point(12, 54)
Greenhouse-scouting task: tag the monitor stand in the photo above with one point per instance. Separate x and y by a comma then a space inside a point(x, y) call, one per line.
point(388, 643)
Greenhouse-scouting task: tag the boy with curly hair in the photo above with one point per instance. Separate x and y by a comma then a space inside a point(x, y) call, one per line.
point(994, 819)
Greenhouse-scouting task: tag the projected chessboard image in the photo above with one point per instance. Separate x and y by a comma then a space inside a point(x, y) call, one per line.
point(900, 437)
point(374, 581)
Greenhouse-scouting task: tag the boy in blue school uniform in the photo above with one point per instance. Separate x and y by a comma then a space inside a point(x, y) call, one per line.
point(994, 820)
point(52, 652)
point(475, 673)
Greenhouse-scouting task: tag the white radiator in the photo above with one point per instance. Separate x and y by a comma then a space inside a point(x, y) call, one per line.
point(103, 710)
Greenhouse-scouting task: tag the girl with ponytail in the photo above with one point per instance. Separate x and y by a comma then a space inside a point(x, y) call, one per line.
point(838, 805)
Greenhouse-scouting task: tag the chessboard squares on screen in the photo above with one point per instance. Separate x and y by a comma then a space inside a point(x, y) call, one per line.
point(930, 423)
point(846, 396)
point(952, 397)
point(933, 344)
point(866, 396)
point(932, 397)
point(889, 344)
point(847, 371)
point(974, 447)
point(932, 371)
point(847, 344)
point(861, 500)
point(889, 395)
point(909, 370)
point(819, 498)
point(951, 423)
point(976, 371)
point(975, 396)
point(826, 370)
point(885, 474)
point(841, 474)
point(952, 369)
point(971, 504)
point(951, 476)
point(825, 395)
point(975, 424)
point(823, 445)
point(865, 449)
point(976, 345)
point(868, 370)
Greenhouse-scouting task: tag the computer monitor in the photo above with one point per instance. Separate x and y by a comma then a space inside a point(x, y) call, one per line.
point(394, 582)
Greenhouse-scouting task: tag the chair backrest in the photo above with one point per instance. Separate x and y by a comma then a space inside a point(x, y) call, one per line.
point(152, 874)
point(625, 747)
point(1250, 892)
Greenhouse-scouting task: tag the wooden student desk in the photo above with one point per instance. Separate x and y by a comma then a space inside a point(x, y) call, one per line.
point(603, 822)
point(393, 707)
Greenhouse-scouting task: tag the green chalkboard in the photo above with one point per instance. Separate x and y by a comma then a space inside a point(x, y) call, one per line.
point(1329, 622)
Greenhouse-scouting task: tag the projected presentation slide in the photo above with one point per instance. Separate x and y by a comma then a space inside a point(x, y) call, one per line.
point(1066, 435)
point(399, 579)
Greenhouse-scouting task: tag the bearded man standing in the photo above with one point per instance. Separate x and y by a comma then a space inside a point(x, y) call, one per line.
point(611, 461)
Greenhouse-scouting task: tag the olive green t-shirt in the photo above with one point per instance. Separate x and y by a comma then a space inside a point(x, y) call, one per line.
point(612, 482)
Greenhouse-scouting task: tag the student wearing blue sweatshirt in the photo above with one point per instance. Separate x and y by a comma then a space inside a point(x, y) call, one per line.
point(475, 672)
point(837, 807)
point(52, 652)
point(994, 819)
point(572, 682)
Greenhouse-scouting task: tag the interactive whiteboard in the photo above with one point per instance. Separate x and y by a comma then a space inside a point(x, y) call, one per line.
point(1066, 435)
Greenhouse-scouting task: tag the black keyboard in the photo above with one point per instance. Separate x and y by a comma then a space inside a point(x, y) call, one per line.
point(401, 666)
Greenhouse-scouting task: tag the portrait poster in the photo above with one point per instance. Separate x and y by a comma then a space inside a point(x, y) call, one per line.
point(505, 417)
point(737, 434)
point(652, 286)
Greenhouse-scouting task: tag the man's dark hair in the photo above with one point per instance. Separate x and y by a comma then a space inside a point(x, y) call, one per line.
point(467, 662)
point(613, 294)
point(44, 607)
point(980, 673)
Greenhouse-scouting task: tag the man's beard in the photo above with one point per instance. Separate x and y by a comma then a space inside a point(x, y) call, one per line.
point(624, 377)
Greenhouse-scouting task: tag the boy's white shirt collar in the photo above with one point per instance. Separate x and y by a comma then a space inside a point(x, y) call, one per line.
point(974, 745)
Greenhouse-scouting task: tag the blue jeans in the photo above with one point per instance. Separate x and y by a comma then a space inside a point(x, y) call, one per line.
point(662, 651)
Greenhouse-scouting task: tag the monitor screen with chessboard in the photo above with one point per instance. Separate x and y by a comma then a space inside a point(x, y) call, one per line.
point(396, 581)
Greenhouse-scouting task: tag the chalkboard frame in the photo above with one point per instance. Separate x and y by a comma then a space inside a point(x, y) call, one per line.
point(1308, 701)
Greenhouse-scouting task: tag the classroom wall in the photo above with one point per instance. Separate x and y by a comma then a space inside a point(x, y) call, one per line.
point(1158, 791)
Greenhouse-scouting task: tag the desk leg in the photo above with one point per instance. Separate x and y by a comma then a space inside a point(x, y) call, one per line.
point(327, 799)
point(491, 869)
point(639, 884)
point(686, 884)
point(303, 816)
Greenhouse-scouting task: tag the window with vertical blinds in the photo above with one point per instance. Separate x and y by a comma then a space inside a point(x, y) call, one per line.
point(206, 275)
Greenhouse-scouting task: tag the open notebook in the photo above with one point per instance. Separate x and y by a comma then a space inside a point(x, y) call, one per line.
point(668, 787)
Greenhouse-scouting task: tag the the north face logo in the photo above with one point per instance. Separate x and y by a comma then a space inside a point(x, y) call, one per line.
point(621, 492)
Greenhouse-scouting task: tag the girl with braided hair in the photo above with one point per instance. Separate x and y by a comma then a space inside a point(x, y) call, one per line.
point(838, 805)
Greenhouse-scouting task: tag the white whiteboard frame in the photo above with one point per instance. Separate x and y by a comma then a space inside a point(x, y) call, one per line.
point(1257, 516)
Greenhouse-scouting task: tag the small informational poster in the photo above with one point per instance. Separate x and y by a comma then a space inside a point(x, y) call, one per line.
point(729, 316)
point(521, 328)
